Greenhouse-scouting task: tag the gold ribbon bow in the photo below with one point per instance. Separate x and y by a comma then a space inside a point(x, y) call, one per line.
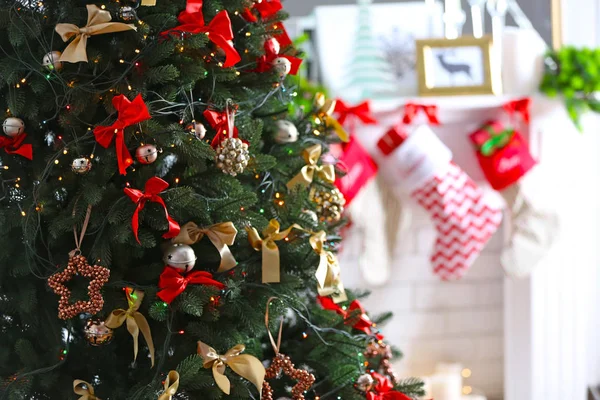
point(328, 272)
point(245, 365)
point(270, 251)
point(98, 23)
point(171, 385)
point(325, 112)
point(311, 155)
point(84, 389)
point(221, 235)
point(136, 322)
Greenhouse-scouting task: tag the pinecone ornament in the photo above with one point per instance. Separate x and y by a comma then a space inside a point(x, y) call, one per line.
point(232, 156)
point(330, 203)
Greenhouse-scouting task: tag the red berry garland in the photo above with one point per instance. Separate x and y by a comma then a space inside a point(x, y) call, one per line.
point(98, 277)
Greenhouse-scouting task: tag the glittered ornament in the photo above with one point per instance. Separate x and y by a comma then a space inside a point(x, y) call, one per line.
point(78, 265)
point(364, 383)
point(13, 126)
point(180, 256)
point(96, 333)
point(146, 154)
point(81, 165)
point(330, 203)
point(282, 363)
point(282, 66)
point(127, 14)
point(286, 132)
point(197, 129)
point(232, 156)
point(51, 61)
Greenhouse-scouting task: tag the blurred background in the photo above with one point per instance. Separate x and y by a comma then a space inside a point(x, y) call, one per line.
point(519, 322)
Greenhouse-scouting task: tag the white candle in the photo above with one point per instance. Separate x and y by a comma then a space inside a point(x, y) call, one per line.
point(454, 18)
point(452, 6)
point(445, 386)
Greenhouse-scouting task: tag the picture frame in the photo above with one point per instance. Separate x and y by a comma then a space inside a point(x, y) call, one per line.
point(462, 66)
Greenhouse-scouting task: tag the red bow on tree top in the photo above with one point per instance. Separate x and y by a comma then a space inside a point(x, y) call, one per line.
point(361, 111)
point(411, 110)
point(519, 107)
point(272, 48)
point(130, 112)
point(218, 30)
point(223, 125)
point(355, 315)
point(14, 145)
point(383, 389)
point(154, 186)
point(172, 283)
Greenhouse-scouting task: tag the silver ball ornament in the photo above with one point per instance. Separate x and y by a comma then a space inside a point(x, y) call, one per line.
point(282, 66)
point(97, 333)
point(146, 154)
point(286, 132)
point(232, 156)
point(364, 383)
point(197, 129)
point(127, 13)
point(180, 256)
point(51, 61)
point(13, 126)
point(81, 165)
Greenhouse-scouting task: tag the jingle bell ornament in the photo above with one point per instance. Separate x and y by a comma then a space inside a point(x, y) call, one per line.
point(13, 126)
point(364, 383)
point(146, 154)
point(330, 203)
point(127, 14)
point(96, 333)
point(286, 132)
point(282, 66)
point(232, 156)
point(81, 165)
point(197, 129)
point(51, 61)
point(180, 256)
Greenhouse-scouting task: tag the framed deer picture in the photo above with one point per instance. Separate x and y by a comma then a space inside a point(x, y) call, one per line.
point(462, 66)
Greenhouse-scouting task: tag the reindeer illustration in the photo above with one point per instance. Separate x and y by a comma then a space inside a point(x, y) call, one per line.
point(453, 69)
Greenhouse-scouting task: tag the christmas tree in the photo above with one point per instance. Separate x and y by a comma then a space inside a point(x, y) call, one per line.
point(162, 191)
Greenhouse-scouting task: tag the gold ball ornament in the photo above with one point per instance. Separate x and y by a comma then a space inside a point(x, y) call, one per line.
point(330, 203)
point(51, 61)
point(13, 126)
point(286, 132)
point(180, 256)
point(282, 66)
point(232, 156)
point(81, 165)
point(96, 333)
point(146, 154)
point(197, 129)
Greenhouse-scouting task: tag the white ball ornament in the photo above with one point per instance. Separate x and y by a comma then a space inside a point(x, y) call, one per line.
point(81, 165)
point(180, 256)
point(146, 154)
point(51, 61)
point(286, 132)
point(282, 66)
point(13, 126)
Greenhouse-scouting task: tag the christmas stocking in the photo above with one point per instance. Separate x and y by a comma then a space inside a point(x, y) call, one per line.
point(464, 219)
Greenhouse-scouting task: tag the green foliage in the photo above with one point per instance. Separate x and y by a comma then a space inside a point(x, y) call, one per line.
point(574, 74)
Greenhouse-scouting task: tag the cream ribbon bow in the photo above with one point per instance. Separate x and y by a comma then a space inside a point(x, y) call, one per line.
point(328, 272)
point(245, 365)
point(98, 23)
point(325, 108)
point(311, 156)
point(84, 389)
point(171, 385)
point(221, 235)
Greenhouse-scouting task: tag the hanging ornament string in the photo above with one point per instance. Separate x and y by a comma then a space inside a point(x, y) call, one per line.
point(79, 240)
point(276, 345)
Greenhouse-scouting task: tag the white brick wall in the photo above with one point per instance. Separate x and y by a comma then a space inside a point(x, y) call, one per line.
point(438, 321)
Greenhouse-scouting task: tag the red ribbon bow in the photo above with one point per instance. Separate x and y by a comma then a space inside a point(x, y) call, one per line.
point(130, 112)
point(218, 30)
point(361, 111)
point(519, 107)
point(267, 9)
point(383, 389)
point(154, 186)
point(172, 283)
point(272, 47)
point(14, 145)
point(412, 109)
point(359, 320)
point(222, 124)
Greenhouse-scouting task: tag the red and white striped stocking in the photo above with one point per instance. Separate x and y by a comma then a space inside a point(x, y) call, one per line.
point(463, 217)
